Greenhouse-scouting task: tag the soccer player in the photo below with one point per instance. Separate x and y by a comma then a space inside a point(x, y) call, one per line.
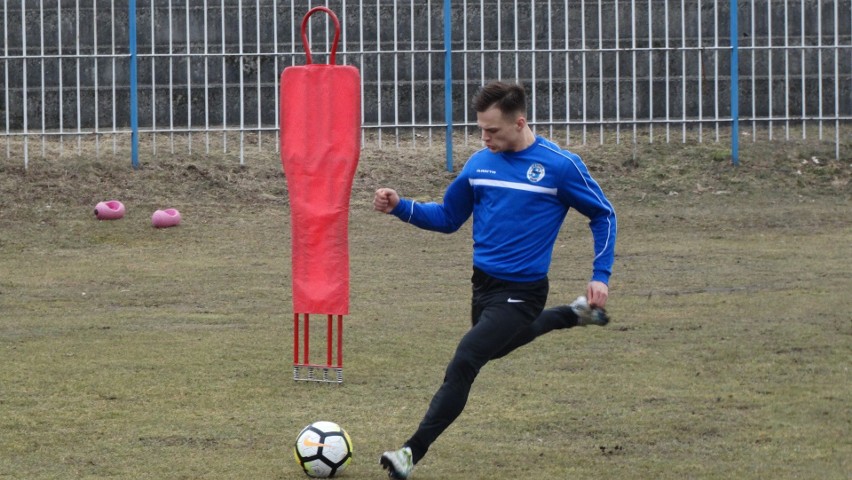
point(518, 189)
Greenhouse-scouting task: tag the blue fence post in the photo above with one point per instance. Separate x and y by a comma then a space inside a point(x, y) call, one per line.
point(735, 80)
point(134, 101)
point(448, 82)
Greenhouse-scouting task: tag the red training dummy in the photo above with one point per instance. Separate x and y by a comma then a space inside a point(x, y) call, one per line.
point(320, 146)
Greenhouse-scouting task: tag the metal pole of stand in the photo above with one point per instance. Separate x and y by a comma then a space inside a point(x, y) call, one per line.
point(329, 339)
point(295, 346)
point(306, 355)
point(339, 343)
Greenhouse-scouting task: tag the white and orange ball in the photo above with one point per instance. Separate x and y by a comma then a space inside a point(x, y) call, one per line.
point(323, 449)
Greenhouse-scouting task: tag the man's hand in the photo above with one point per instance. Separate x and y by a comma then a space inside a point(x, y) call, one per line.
point(597, 293)
point(386, 200)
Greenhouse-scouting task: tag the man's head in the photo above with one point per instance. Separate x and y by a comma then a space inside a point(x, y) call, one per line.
point(501, 114)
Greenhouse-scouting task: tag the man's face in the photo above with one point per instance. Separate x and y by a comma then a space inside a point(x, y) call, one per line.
point(500, 133)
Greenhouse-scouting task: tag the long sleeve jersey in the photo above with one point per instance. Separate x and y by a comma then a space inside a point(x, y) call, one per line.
point(519, 201)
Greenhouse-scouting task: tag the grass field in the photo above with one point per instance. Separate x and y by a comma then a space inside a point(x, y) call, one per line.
point(130, 352)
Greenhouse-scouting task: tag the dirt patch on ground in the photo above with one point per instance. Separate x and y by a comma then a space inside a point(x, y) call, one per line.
point(626, 170)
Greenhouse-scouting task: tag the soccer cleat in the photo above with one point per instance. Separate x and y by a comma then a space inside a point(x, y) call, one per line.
point(398, 463)
point(587, 315)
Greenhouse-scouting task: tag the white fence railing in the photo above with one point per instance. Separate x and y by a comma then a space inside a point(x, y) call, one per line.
point(641, 69)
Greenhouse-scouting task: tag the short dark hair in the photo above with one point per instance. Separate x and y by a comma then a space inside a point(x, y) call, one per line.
point(509, 98)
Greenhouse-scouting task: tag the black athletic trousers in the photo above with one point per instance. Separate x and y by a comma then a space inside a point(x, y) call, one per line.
point(505, 315)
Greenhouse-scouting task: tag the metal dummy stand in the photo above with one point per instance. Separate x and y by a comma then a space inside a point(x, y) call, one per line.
point(304, 369)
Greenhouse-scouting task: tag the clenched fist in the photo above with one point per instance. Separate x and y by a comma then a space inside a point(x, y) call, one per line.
point(385, 200)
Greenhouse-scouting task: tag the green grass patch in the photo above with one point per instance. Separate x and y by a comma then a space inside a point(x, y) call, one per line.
point(131, 352)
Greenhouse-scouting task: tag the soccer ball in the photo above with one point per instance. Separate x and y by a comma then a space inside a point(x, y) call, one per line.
point(323, 449)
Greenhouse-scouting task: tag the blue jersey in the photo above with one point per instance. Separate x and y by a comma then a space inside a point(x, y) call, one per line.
point(519, 201)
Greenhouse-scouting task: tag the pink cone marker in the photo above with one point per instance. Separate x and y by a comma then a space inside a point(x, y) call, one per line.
point(110, 210)
point(165, 218)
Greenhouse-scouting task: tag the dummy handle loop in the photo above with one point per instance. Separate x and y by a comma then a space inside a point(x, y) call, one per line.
point(312, 11)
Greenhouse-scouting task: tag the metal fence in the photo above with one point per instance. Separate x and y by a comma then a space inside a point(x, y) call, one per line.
point(596, 70)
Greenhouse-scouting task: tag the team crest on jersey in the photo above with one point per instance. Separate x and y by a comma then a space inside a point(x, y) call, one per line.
point(535, 172)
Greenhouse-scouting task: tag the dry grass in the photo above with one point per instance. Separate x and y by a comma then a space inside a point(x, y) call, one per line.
point(130, 352)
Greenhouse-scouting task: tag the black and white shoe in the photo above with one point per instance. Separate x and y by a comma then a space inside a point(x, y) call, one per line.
point(587, 315)
point(398, 463)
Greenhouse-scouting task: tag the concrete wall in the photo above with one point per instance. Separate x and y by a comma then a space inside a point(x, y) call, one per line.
point(678, 64)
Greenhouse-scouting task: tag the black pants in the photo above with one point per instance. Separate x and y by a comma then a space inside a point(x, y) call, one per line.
point(505, 315)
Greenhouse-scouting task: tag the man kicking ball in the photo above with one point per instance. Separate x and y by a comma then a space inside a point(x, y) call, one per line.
point(518, 189)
